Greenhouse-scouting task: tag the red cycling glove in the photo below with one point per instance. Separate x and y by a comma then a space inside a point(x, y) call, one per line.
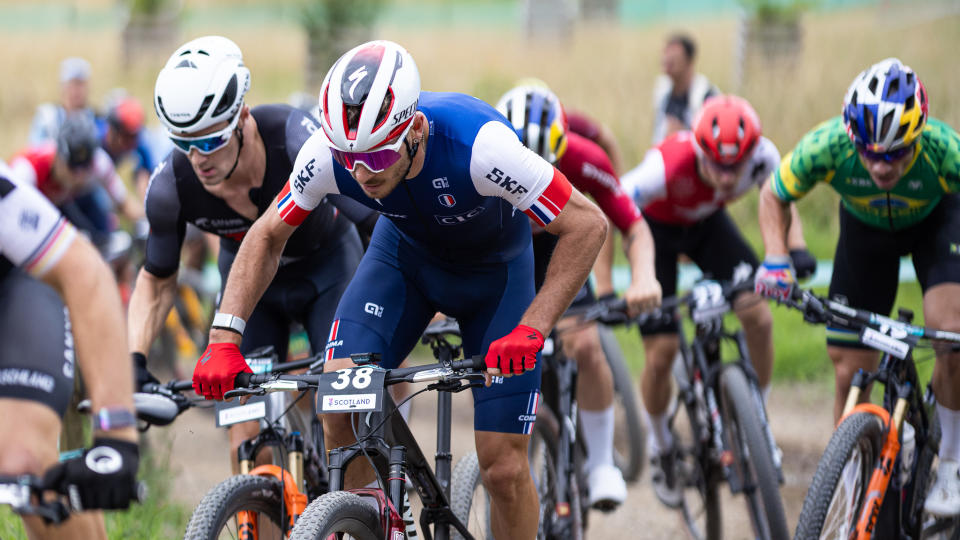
point(515, 352)
point(216, 369)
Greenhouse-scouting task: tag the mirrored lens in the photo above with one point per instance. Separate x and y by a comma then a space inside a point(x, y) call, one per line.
point(375, 161)
point(892, 155)
point(206, 145)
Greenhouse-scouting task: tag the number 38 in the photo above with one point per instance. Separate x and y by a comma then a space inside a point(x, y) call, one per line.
point(361, 378)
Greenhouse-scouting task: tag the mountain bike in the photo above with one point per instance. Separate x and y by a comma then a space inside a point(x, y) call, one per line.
point(629, 439)
point(719, 418)
point(264, 501)
point(873, 477)
point(385, 440)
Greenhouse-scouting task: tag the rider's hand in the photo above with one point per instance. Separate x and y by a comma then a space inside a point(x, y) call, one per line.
point(804, 262)
point(216, 369)
point(515, 352)
point(141, 375)
point(642, 296)
point(104, 477)
point(774, 278)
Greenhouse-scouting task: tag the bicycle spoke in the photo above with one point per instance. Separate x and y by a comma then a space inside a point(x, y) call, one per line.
point(843, 505)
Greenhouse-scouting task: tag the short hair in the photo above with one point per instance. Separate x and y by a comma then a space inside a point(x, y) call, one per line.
point(685, 41)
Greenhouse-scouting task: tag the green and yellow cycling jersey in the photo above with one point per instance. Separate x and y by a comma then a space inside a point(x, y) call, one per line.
point(826, 154)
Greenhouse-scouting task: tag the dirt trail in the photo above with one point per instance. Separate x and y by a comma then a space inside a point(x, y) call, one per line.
point(800, 414)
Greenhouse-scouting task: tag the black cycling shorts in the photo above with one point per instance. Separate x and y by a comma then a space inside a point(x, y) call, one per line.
point(305, 291)
point(36, 345)
point(866, 266)
point(714, 244)
point(543, 246)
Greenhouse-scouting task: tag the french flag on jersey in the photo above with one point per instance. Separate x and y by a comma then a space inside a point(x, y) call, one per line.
point(549, 204)
point(290, 213)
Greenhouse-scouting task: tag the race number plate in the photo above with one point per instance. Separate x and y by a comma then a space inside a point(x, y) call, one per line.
point(232, 412)
point(349, 390)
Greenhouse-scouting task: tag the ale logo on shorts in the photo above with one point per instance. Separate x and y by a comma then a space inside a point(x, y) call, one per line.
point(447, 200)
point(373, 309)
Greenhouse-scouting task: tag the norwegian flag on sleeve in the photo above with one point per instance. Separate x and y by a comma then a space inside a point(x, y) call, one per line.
point(548, 205)
point(290, 212)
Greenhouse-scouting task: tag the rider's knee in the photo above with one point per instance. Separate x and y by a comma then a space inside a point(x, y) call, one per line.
point(586, 349)
point(756, 318)
point(505, 474)
point(17, 458)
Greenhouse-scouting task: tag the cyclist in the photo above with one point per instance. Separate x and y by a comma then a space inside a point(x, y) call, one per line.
point(540, 121)
point(897, 172)
point(69, 170)
point(683, 185)
point(37, 360)
point(229, 162)
point(449, 175)
point(121, 135)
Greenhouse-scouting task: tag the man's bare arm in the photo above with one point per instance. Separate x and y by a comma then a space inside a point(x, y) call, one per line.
point(644, 292)
point(88, 289)
point(253, 269)
point(603, 268)
point(149, 305)
point(581, 228)
point(795, 230)
point(774, 219)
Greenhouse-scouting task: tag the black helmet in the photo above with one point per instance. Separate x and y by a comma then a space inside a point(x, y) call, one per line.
point(77, 140)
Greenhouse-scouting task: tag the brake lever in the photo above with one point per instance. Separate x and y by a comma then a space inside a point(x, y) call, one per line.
point(240, 392)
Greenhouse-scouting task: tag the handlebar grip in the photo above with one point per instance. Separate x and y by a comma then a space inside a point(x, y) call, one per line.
point(242, 380)
point(476, 363)
point(180, 386)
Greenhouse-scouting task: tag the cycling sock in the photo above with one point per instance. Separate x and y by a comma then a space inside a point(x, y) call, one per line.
point(659, 438)
point(950, 433)
point(598, 434)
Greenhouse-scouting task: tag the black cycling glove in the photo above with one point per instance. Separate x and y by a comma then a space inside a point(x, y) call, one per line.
point(104, 477)
point(804, 263)
point(141, 375)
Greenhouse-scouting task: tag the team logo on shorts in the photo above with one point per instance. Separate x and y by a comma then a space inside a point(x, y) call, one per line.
point(447, 200)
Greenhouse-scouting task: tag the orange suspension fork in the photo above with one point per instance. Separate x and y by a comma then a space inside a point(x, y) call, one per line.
point(293, 500)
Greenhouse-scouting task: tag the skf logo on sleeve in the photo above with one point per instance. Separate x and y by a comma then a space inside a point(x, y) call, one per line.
point(505, 181)
point(304, 176)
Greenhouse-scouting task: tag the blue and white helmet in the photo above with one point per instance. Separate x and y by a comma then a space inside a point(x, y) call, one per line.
point(538, 118)
point(202, 84)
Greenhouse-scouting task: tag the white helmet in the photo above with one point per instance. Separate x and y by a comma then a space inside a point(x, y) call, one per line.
point(202, 84)
point(380, 85)
point(538, 118)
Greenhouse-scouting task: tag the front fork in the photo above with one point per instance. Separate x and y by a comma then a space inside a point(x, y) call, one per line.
point(291, 477)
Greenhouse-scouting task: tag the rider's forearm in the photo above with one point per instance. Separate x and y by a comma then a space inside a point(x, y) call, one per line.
point(603, 268)
point(580, 237)
point(149, 305)
point(252, 271)
point(88, 289)
point(638, 246)
point(774, 221)
point(795, 231)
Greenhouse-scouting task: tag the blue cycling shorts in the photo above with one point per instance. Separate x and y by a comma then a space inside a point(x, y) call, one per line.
point(399, 287)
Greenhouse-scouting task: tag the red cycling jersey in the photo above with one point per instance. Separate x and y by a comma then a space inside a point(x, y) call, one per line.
point(35, 164)
point(588, 168)
point(668, 186)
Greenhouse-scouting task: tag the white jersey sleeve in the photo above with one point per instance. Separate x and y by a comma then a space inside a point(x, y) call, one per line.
point(310, 181)
point(501, 166)
point(766, 159)
point(33, 234)
point(647, 182)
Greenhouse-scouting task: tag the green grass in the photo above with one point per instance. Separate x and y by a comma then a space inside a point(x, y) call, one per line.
point(157, 517)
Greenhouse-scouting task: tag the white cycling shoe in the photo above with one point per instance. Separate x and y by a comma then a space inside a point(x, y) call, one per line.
point(943, 499)
point(606, 487)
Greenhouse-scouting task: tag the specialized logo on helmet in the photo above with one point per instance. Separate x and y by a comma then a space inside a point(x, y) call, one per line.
point(356, 77)
point(362, 71)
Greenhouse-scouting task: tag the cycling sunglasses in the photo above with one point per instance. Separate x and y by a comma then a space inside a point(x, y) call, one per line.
point(206, 144)
point(377, 161)
point(892, 155)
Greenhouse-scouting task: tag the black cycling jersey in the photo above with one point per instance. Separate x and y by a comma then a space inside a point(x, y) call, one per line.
point(176, 197)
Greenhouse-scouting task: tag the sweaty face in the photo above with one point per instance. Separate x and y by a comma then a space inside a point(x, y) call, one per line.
point(886, 174)
point(212, 168)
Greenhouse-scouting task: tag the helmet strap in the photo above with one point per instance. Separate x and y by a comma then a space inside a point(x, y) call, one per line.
point(239, 149)
point(411, 152)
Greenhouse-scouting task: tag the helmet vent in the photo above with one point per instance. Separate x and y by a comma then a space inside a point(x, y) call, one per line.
point(873, 85)
point(902, 131)
point(853, 99)
point(526, 118)
point(910, 78)
point(544, 143)
point(868, 120)
point(908, 103)
point(885, 124)
point(186, 64)
point(229, 95)
point(384, 109)
point(893, 88)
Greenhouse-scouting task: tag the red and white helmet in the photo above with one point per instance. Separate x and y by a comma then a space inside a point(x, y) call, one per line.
point(380, 85)
point(727, 129)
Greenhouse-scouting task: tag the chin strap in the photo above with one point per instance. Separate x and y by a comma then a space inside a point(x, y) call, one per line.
point(240, 138)
point(410, 153)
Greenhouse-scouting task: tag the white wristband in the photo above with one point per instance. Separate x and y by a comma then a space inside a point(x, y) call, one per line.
point(229, 322)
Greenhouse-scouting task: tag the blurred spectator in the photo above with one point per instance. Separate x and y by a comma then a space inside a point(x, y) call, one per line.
point(680, 91)
point(74, 94)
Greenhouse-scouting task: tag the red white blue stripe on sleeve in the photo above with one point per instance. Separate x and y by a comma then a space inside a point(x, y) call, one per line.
point(290, 212)
point(549, 204)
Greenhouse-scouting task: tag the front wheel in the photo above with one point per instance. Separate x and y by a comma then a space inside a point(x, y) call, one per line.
point(629, 442)
point(338, 514)
point(753, 459)
point(839, 488)
point(239, 507)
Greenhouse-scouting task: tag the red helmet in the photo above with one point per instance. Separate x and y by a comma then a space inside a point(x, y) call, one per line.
point(127, 115)
point(727, 129)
